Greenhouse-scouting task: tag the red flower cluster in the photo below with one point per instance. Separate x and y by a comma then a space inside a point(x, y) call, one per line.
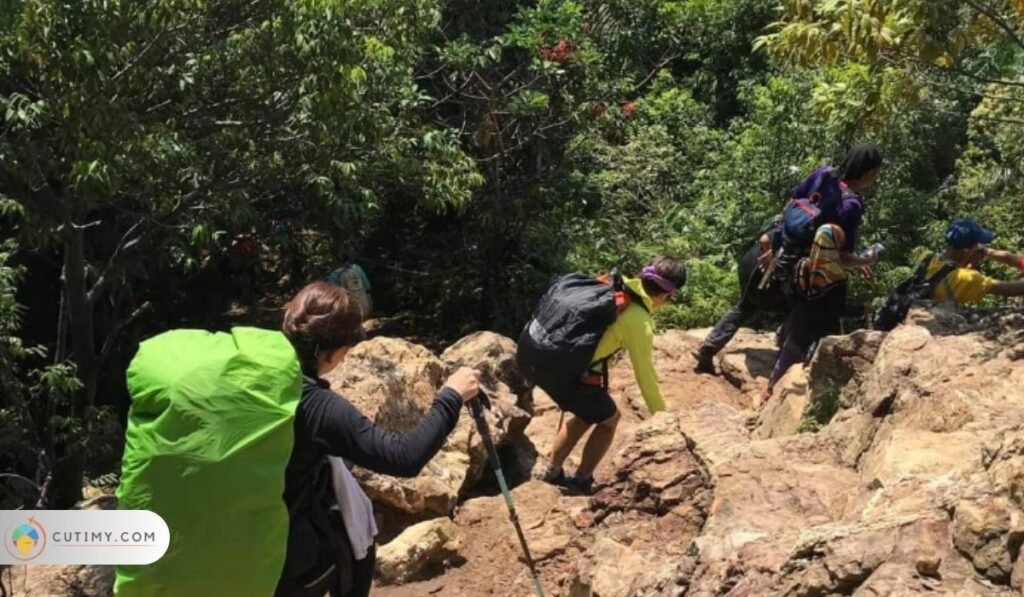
point(559, 52)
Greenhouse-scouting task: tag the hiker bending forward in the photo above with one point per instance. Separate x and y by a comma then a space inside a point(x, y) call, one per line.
point(330, 535)
point(858, 172)
point(588, 400)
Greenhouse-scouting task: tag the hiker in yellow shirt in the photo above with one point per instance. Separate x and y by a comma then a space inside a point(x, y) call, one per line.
point(965, 248)
point(588, 399)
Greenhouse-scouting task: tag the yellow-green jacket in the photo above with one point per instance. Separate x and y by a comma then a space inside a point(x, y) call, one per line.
point(633, 330)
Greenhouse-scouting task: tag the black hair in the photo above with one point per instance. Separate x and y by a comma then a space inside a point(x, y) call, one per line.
point(860, 160)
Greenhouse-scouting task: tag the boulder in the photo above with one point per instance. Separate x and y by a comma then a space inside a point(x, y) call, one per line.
point(989, 531)
point(747, 361)
point(657, 474)
point(785, 411)
point(391, 381)
point(840, 359)
point(495, 356)
point(610, 569)
point(394, 383)
point(420, 550)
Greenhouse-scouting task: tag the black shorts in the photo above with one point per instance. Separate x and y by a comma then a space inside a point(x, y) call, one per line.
point(591, 403)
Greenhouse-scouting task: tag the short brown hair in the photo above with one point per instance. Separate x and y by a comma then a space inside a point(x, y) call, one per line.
point(319, 318)
point(668, 268)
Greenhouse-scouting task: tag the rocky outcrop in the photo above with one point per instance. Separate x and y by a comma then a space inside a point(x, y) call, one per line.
point(394, 383)
point(495, 356)
point(421, 549)
point(784, 413)
point(910, 481)
point(906, 491)
point(891, 466)
point(626, 540)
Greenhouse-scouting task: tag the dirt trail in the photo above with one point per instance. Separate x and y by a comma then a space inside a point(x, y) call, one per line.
point(492, 564)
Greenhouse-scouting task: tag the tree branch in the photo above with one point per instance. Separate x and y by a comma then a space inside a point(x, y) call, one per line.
point(128, 240)
point(989, 12)
point(145, 50)
point(112, 336)
point(657, 69)
point(903, 60)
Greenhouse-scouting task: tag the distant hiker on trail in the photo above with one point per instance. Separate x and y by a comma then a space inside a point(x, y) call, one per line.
point(240, 446)
point(352, 278)
point(323, 324)
point(577, 328)
point(828, 196)
point(952, 277)
point(965, 250)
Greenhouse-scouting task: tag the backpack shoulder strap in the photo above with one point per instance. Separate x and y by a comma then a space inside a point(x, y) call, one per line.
point(946, 269)
point(922, 267)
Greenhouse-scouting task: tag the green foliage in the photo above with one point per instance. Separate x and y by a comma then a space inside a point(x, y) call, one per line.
point(168, 160)
point(823, 406)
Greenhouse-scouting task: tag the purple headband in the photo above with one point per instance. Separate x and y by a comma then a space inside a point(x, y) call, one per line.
point(651, 273)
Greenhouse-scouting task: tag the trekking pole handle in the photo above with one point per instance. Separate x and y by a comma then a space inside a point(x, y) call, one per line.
point(479, 403)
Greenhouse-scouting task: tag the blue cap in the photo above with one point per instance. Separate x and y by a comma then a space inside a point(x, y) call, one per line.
point(964, 234)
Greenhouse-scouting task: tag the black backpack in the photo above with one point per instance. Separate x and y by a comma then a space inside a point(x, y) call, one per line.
point(912, 289)
point(557, 345)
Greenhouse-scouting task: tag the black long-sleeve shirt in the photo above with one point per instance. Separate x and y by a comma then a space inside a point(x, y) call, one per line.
point(328, 424)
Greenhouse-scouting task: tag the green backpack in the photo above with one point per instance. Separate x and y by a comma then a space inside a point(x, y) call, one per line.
point(210, 432)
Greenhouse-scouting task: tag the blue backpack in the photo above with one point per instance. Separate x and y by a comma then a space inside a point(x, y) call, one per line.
point(804, 215)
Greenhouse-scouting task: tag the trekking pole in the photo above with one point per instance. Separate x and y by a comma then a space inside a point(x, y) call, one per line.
point(476, 408)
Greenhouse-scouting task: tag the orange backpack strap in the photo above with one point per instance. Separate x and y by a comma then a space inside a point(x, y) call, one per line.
point(623, 298)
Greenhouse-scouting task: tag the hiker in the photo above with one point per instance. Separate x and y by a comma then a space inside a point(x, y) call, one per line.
point(579, 325)
point(820, 285)
point(965, 250)
point(323, 323)
point(952, 276)
point(352, 278)
point(858, 172)
point(238, 444)
point(753, 299)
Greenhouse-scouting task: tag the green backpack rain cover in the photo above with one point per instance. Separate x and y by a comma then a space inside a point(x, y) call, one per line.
point(209, 435)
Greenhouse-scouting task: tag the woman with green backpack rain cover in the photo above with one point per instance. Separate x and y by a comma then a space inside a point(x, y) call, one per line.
point(235, 440)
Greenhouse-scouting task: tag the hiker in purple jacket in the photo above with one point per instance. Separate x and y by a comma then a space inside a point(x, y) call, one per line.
point(859, 171)
point(821, 279)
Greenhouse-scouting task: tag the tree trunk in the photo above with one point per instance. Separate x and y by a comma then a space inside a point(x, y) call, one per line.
point(63, 486)
point(80, 319)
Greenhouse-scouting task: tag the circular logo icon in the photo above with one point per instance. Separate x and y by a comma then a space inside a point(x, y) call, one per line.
point(26, 541)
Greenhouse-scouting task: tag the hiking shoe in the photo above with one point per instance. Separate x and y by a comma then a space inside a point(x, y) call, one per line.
point(576, 485)
point(705, 362)
point(552, 475)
